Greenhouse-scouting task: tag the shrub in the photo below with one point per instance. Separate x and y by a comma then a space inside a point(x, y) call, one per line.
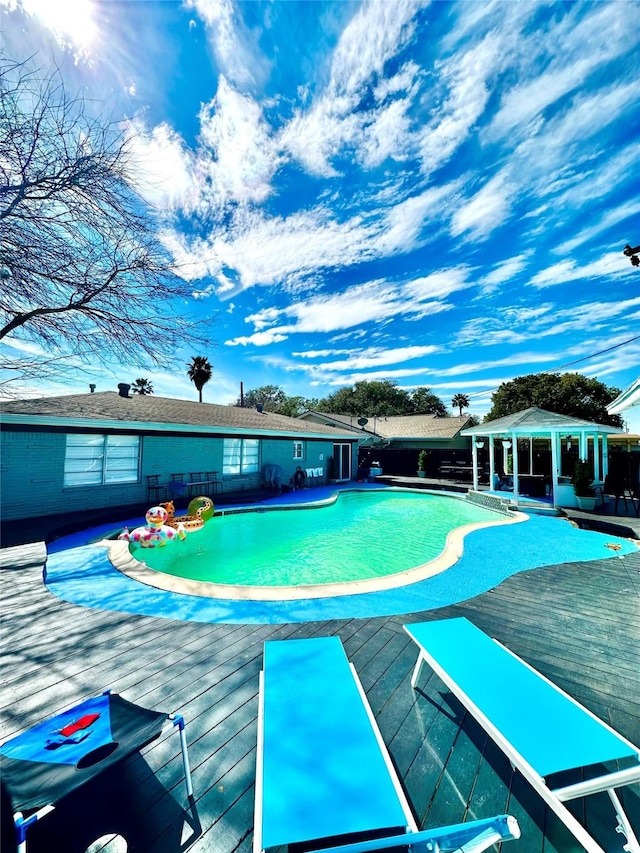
point(582, 479)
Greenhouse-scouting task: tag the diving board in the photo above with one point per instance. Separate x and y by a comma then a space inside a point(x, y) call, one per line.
point(323, 773)
point(538, 726)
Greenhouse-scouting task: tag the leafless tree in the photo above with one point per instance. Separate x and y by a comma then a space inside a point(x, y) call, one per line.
point(82, 271)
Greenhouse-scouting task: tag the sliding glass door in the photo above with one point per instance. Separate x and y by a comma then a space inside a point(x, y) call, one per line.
point(342, 457)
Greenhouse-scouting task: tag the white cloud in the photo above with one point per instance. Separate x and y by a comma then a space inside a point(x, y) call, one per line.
point(338, 379)
point(373, 36)
point(164, 170)
point(243, 157)
point(386, 135)
point(258, 339)
point(358, 360)
point(487, 210)
point(570, 51)
point(606, 221)
point(464, 78)
point(375, 301)
point(504, 272)
point(401, 226)
point(610, 264)
point(234, 45)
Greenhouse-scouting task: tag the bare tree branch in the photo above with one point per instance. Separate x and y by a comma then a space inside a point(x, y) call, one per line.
point(83, 271)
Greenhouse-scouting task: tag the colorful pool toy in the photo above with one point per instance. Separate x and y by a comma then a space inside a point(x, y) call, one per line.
point(200, 509)
point(156, 533)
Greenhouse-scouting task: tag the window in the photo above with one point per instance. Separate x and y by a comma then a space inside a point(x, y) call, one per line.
point(241, 456)
point(298, 450)
point(94, 460)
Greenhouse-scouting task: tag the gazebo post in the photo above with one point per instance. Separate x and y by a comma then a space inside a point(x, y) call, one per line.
point(584, 445)
point(514, 449)
point(492, 463)
point(555, 471)
point(596, 457)
point(474, 457)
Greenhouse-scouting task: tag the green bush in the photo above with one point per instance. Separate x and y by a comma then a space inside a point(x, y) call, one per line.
point(582, 479)
point(422, 460)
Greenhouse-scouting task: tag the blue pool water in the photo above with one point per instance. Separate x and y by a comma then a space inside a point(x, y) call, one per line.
point(363, 534)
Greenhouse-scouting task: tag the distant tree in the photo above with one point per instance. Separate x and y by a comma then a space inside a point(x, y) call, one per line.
point(460, 401)
point(270, 396)
point(571, 394)
point(142, 386)
point(425, 402)
point(83, 273)
point(199, 372)
point(274, 399)
point(294, 406)
point(370, 398)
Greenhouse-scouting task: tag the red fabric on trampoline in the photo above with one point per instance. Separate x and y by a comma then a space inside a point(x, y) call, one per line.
point(60, 754)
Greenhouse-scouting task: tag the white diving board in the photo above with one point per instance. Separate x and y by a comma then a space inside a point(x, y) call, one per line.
point(538, 726)
point(323, 773)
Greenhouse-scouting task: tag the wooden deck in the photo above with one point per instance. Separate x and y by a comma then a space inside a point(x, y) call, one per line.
point(578, 623)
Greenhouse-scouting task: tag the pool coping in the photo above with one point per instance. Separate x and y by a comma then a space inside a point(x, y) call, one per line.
point(121, 558)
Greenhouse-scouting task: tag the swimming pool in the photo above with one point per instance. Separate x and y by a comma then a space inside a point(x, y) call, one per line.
point(82, 573)
point(362, 540)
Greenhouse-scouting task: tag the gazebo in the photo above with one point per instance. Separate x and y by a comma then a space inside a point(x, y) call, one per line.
point(534, 423)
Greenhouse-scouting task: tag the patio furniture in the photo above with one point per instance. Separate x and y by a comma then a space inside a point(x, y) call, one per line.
point(178, 486)
point(323, 773)
point(458, 473)
point(541, 729)
point(57, 756)
point(213, 482)
point(272, 476)
point(156, 491)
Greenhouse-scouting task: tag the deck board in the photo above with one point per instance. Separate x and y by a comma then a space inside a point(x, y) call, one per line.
point(579, 623)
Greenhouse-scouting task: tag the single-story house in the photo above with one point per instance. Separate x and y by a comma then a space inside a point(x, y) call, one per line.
point(394, 441)
point(65, 455)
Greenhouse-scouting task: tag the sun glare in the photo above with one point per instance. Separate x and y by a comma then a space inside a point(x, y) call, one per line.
point(71, 21)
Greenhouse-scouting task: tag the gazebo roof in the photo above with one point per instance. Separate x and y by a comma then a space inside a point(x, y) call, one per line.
point(538, 422)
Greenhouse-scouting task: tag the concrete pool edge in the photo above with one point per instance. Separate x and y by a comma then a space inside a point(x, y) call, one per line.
point(121, 558)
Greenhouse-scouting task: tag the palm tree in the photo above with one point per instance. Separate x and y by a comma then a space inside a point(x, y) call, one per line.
point(199, 372)
point(142, 386)
point(461, 401)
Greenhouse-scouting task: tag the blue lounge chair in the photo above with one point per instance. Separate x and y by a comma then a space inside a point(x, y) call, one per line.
point(323, 773)
point(57, 756)
point(540, 728)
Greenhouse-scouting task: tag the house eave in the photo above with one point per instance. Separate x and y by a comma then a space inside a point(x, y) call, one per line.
point(147, 427)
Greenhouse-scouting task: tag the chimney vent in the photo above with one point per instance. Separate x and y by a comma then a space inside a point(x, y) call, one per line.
point(123, 389)
point(92, 388)
point(260, 406)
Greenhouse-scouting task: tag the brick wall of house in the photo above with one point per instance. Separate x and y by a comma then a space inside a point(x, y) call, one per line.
point(32, 470)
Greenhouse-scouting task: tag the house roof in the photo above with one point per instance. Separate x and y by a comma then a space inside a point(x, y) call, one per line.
point(419, 426)
point(348, 421)
point(535, 421)
point(399, 426)
point(149, 413)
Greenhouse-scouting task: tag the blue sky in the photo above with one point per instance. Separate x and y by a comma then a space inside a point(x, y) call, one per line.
point(433, 193)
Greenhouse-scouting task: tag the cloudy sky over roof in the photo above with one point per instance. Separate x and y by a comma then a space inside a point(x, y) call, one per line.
point(436, 194)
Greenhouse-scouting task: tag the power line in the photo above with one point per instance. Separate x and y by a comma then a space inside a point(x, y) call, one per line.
point(568, 364)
